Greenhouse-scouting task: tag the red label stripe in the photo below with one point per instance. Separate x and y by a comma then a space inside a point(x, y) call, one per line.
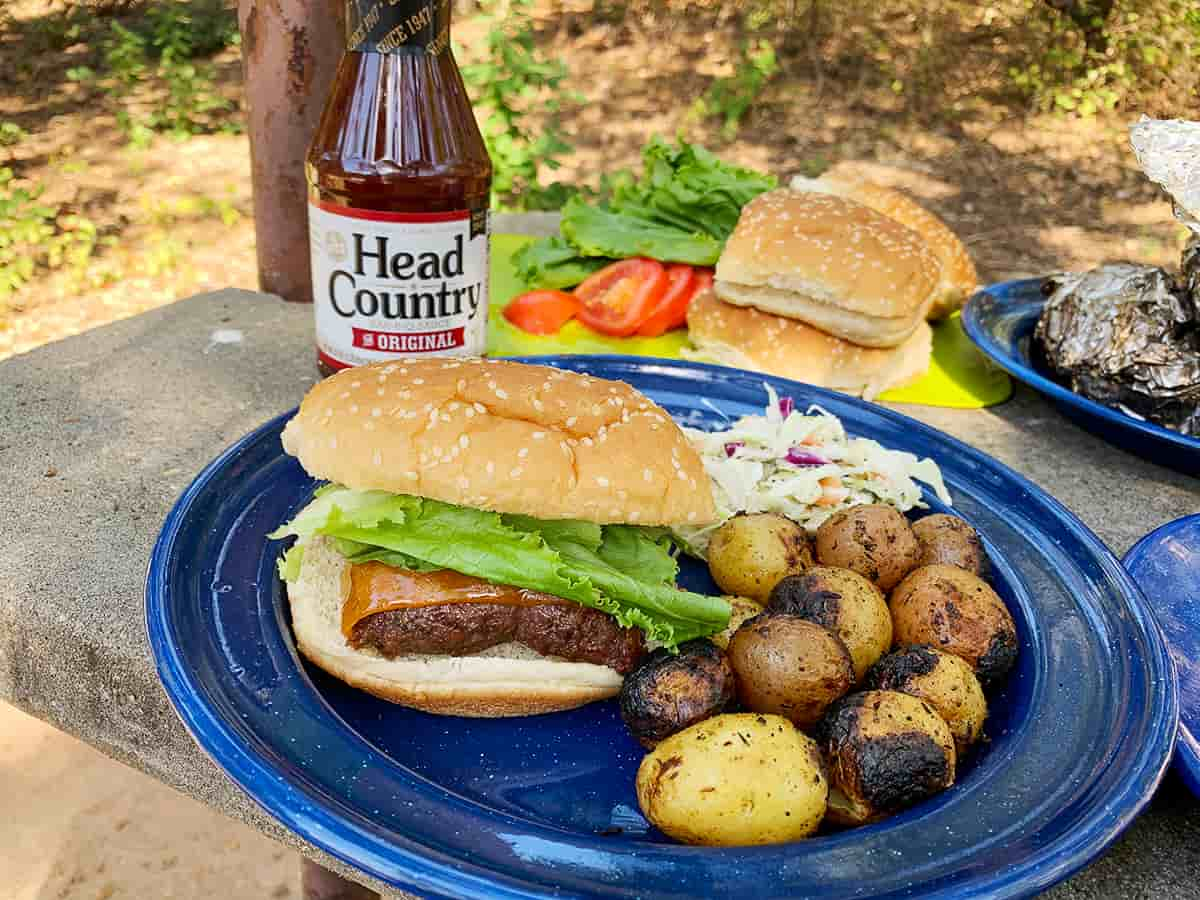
point(372, 215)
point(336, 364)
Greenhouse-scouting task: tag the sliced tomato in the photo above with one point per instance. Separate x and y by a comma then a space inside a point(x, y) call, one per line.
point(671, 310)
point(542, 312)
point(617, 299)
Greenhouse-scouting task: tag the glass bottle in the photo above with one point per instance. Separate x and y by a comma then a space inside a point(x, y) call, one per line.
point(399, 184)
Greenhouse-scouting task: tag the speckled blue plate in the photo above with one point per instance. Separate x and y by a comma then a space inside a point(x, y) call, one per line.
point(1000, 320)
point(545, 806)
point(1166, 564)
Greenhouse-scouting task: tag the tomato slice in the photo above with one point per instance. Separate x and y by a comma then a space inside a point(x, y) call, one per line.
point(671, 311)
point(617, 299)
point(542, 312)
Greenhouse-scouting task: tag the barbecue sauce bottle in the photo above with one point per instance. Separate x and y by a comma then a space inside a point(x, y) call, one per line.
point(399, 182)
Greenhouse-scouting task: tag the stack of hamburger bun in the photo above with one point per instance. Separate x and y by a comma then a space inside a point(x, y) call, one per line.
point(832, 281)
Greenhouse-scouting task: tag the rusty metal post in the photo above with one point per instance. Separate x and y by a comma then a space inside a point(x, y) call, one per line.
point(290, 51)
point(318, 883)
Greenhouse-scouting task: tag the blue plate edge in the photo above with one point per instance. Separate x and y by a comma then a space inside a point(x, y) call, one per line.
point(1187, 759)
point(1032, 875)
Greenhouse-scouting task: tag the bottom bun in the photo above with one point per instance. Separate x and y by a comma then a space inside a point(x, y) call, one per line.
point(506, 680)
point(749, 339)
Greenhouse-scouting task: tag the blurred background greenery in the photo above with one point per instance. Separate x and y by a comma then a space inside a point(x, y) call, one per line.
point(123, 168)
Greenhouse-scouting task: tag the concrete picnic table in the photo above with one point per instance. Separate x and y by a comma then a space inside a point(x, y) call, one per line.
point(101, 432)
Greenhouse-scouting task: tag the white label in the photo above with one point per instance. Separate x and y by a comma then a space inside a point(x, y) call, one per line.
point(398, 284)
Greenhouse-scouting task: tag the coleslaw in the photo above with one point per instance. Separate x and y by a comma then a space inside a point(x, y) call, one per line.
point(802, 465)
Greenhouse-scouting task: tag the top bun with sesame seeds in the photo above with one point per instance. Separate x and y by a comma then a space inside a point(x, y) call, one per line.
point(505, 437)
point(959, 279)
point(832, 263)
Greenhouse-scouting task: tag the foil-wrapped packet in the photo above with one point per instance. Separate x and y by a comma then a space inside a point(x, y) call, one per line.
point(1128, 336)
point(1125, 335)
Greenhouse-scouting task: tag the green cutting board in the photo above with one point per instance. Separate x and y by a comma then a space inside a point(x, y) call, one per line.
point(959, 375)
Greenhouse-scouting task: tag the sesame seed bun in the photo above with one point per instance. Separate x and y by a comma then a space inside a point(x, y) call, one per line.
point(502, 436)
point(959, 280)
point(506, 680)
point(749, 339)
point(829, 262)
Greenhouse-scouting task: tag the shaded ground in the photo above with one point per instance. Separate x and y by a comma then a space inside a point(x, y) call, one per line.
point(78, 826)
point(1028, 193)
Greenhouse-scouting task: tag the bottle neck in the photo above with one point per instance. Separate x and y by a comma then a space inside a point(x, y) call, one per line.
point(397, 26)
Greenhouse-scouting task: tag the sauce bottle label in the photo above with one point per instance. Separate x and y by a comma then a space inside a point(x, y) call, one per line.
point(398, 284)
point(397, 26)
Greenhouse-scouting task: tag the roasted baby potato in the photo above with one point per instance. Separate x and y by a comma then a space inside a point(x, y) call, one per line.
point(740, 609)
point(873, 540)
point(750, 553)
point(885, 751)
point(734, 780)
point(667, 691)
point(787, 665)
point(958, 612)
point(845, 603)
point(943, 681)
point(949, 541)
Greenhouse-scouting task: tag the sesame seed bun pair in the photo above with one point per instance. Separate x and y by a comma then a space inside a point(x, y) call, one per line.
point(831, 282)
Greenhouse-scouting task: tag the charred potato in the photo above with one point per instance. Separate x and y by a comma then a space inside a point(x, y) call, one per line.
point(885, 751)
point(734, 780)
point(956, 611)
point(845, 603)
point(943, 681)
point(949, 541)
point(787, 665)
point(751, 553)
point(873, 540)
point(667, 691)
point(740, 609)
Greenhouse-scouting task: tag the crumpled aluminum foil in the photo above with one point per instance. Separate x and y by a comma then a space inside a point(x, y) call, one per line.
point(1128, 336)
point(1168, 150)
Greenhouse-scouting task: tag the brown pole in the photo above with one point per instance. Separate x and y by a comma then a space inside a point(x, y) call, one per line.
point(290, 51)
point(318, 883)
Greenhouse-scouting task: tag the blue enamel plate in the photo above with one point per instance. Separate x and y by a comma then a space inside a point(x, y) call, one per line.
point(1166, 564)
point(544, 806)
point(1000, 320)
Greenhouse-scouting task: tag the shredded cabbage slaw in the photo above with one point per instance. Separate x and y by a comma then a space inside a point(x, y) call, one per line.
point(803, 466)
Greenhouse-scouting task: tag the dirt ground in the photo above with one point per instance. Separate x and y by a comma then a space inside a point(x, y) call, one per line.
point(78, 826)
point(1029, 194)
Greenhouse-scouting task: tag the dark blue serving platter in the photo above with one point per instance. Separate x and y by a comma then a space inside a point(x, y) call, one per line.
point(1166, 565)
point(1000, 320)
point(545, 806)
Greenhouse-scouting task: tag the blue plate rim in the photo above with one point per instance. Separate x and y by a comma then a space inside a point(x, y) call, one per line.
point(375, 856)
point(1187, 748)
point(985, 340)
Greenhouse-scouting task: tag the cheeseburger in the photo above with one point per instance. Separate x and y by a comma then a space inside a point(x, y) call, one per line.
point(493, 538)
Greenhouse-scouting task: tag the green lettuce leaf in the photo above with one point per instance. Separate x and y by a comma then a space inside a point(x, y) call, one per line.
point(624, 571)
point(595, 231)
point(682, 207)
point(551, 262)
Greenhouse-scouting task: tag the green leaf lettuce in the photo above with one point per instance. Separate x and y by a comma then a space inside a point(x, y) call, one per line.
point(623, 570)
point(681, 208)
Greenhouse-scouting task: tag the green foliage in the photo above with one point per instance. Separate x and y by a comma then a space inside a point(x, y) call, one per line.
point(513, 76)
point(11, 134)
point(33, 234)
point(729, 99)
point(1089, 62)
point(161, 56)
